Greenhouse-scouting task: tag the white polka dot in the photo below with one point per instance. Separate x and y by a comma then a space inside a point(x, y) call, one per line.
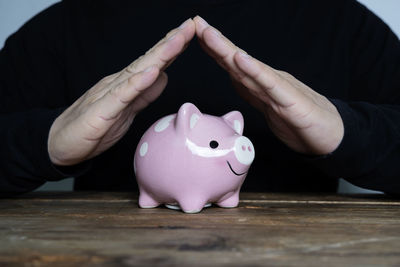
point(163, 123)
point(193, 120)
point(237, 126)
point(143, 149)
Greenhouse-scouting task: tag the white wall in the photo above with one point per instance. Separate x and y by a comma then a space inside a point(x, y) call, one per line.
point(387, 10)
point(13, 13)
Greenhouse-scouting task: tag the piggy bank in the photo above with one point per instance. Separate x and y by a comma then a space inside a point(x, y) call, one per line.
point(190, 160)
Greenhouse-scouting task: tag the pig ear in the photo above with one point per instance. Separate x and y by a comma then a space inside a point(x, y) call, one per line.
point(235, 120)
point(187, 117)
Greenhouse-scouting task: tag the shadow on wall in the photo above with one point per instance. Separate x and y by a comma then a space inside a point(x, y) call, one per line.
point(347, 188)
point(63, 185)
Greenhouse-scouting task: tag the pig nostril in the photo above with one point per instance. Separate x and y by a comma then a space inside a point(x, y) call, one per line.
point(249, 148)
point(243, 148)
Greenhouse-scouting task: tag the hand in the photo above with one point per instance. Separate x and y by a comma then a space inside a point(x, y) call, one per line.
point(303, 119)
point(100, 117)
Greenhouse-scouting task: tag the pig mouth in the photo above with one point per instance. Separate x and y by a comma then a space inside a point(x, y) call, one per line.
point(230, 167)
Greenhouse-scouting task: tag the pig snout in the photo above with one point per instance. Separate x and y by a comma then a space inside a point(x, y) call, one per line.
point(244, 154)
point(244, 150)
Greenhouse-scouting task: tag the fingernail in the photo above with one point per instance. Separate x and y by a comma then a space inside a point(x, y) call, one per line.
point(215, 32)
point(244, 55)
point(172, 36)
point(184, 24)
point(203, 21)
point(148, 69)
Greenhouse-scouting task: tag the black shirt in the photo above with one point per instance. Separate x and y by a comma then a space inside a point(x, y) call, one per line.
point(337, 47)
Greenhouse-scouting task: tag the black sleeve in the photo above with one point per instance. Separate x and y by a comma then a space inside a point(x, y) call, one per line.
point(369, 154)
point(32, 95)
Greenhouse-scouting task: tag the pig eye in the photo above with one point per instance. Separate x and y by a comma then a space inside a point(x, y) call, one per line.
point(214, 144)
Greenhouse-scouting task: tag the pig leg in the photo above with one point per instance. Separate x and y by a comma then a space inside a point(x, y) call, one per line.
point(146, 201)
point(191, 205)
point(231, 201)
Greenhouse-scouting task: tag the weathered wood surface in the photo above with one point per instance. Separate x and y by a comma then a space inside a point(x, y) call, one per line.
point(107, 229)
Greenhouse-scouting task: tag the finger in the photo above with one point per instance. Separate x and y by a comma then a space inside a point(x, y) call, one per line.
point(223, 51)
point(265, 81)
point(217, 46)
point(164, 52)
point(150, 94)
point(146, 97)
point(186, 28)
point(201, 24)
point(244, 93)
point(262, 80)
point(212, 54)
point(107, 109)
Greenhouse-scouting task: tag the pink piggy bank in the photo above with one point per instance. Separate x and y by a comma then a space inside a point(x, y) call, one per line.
point(189, 160)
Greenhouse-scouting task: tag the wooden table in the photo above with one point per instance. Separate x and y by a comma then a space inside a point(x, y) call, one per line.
point(107, 229)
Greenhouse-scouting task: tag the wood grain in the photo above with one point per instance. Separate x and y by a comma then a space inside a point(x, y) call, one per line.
point(108, 229)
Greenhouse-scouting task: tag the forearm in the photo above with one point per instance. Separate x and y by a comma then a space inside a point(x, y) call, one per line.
point(25, 164)
point(369, 153)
